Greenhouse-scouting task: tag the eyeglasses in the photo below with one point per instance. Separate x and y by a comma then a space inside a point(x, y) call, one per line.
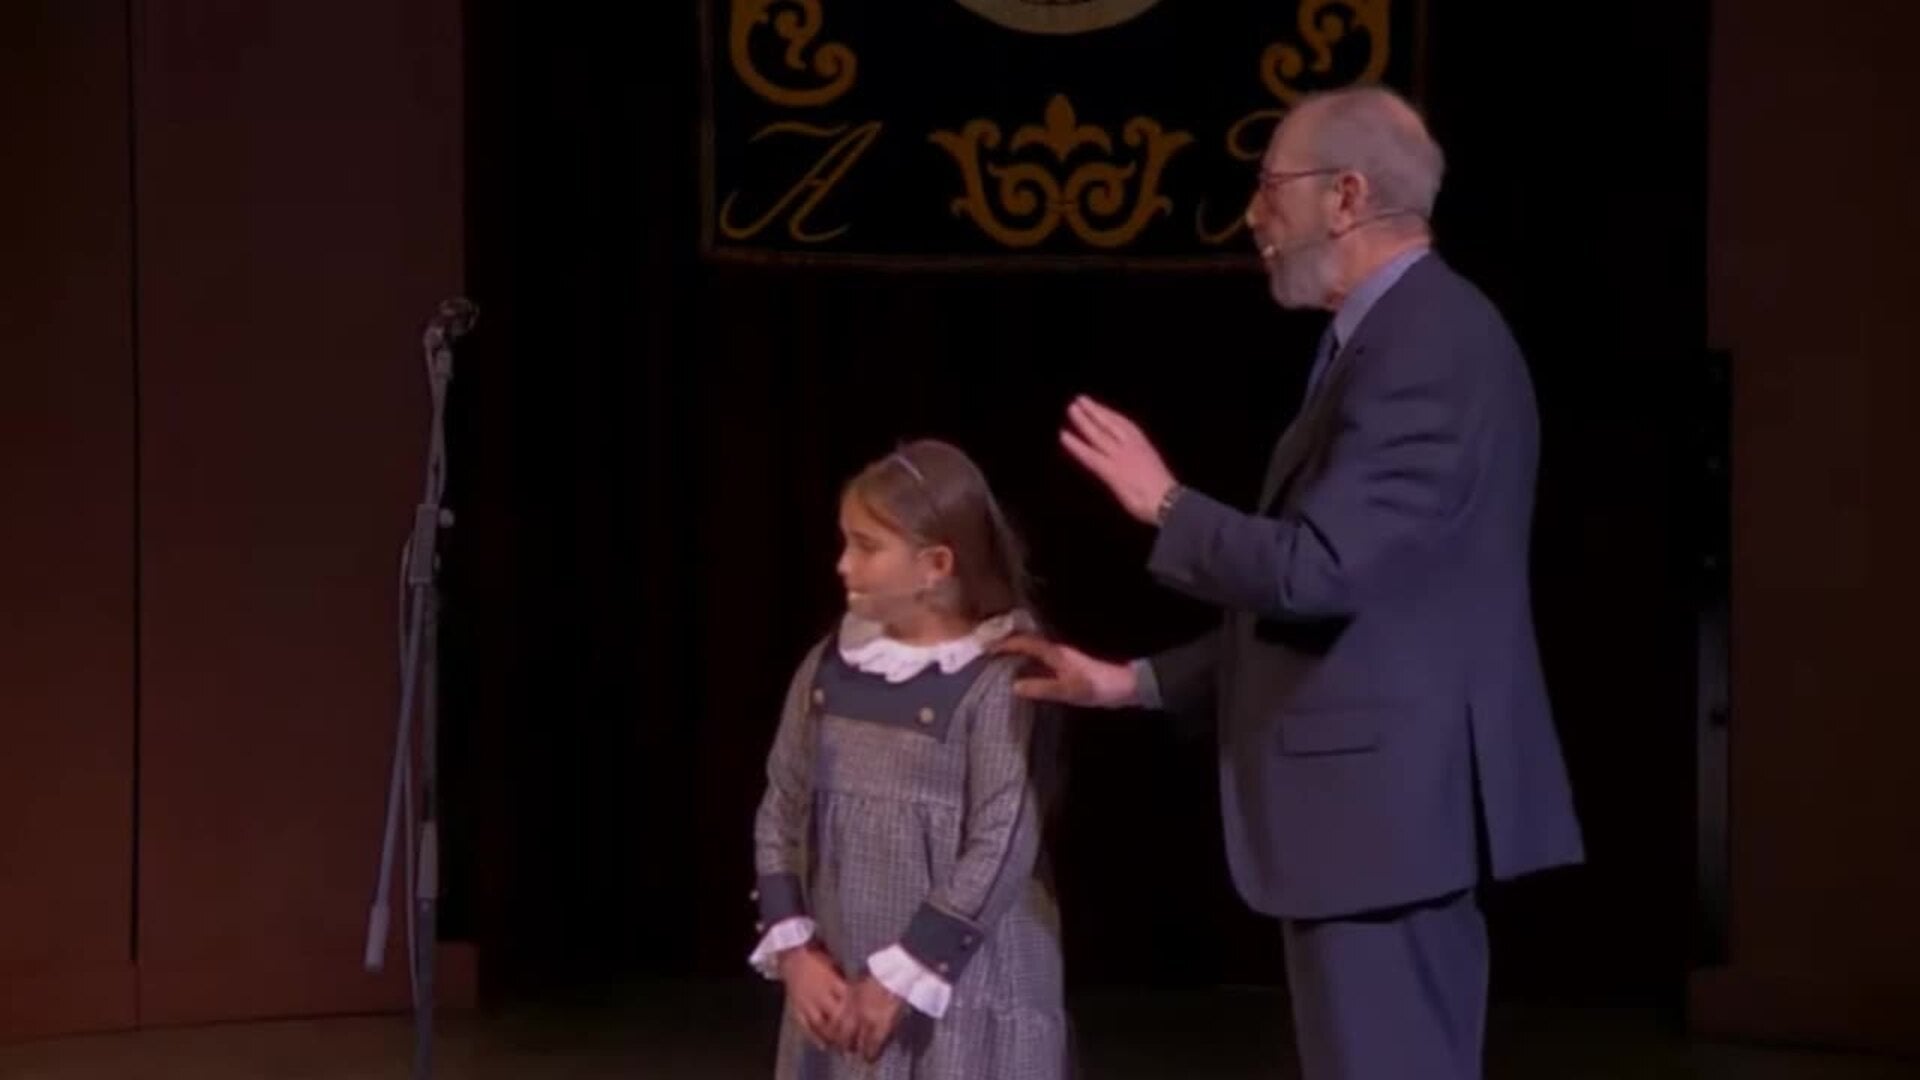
point(1270, 179)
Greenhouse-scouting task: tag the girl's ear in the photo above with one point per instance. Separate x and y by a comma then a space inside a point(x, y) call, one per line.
point(938, 561)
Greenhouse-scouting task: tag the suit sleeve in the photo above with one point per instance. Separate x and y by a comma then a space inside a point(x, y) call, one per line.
point(1001, 838)
point(1180, 681)
point(1396, 475)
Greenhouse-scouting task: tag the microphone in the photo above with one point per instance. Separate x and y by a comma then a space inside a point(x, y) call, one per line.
point(1273, 251)
point(884, 596)
point(454, 318)
point(1270, 251)
point(1370, 219)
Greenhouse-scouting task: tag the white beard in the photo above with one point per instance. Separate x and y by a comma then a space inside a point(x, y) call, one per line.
point(1304, 277)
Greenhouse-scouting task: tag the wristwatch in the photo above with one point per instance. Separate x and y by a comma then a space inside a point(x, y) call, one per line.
point(1166, 504)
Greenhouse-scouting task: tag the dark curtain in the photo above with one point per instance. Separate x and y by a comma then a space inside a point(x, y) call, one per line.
point(646, 452)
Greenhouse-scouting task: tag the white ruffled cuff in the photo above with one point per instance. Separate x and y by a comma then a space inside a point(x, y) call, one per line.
point(780, 937)
point(897, 970)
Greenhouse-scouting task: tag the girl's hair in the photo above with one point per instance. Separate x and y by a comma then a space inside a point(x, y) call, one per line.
point(932, 493)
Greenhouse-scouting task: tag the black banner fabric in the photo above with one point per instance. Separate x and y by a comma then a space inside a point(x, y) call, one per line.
point(952, 132)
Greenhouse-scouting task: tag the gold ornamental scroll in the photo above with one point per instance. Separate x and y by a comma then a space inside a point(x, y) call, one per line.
point(983, 133)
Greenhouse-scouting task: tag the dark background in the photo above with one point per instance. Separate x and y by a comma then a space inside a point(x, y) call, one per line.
point(655, 446)
point(225, 223)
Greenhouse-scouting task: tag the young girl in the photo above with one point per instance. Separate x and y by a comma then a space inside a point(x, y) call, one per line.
point(898, 847)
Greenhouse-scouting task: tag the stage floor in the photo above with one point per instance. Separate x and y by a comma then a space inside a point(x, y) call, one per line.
point(724, 1032)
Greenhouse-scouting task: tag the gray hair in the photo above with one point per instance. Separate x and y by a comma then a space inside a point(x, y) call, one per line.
point(1373, 131)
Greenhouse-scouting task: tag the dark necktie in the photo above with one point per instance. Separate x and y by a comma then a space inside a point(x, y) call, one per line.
point(1323, 359)
point(1286, 451)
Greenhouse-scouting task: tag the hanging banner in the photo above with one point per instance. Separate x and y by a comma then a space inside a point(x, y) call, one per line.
point(996, 132)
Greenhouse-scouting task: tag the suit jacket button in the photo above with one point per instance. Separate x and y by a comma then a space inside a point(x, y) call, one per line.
point(926, 716)
point(819, 696)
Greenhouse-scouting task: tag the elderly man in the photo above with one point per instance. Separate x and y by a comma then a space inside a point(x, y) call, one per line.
point(1385, 737)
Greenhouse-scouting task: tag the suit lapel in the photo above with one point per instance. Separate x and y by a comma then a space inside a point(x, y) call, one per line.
point(1314, 424)
point(1309, 426)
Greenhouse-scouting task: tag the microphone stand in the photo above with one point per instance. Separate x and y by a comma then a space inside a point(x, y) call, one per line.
point(419, 667)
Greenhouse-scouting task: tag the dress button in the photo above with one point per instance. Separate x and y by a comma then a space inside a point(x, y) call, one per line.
point(926, 716)
point(754, 896)
point(819, 697)
point(945, 967)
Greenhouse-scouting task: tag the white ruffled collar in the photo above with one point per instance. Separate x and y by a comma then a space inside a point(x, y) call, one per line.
point(865, 646)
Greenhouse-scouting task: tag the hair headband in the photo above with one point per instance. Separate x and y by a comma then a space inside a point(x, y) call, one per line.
point(912, 469)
